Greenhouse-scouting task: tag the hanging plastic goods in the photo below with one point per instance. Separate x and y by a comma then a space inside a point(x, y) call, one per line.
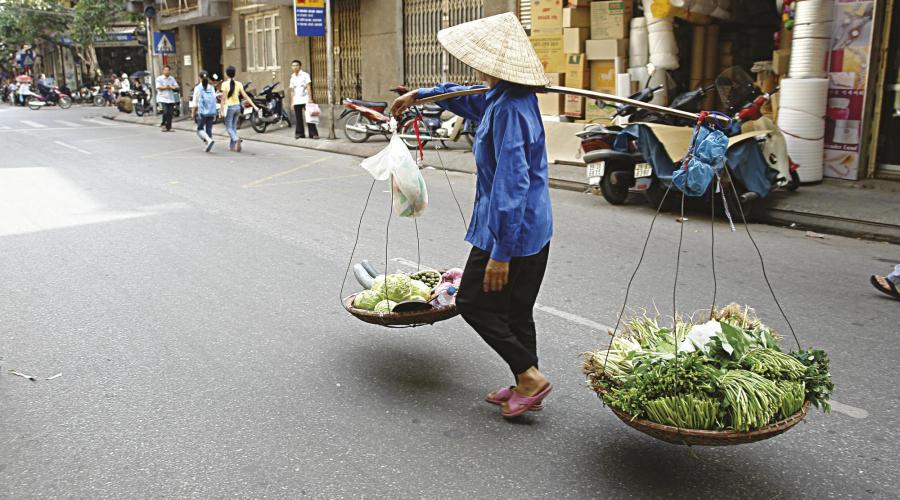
point(410, 194)
point(808, 58)
point(661, 38)
point(639, 44)
point(813, 11)
point(802, 119)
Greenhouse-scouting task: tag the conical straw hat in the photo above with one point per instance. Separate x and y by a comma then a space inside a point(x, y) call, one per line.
point(496, 46)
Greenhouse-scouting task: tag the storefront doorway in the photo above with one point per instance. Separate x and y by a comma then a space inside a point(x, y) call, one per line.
point(210, 43)
point(889, 147)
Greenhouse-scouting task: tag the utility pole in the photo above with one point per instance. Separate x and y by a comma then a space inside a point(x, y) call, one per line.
point(151, 67)
point(329, 58)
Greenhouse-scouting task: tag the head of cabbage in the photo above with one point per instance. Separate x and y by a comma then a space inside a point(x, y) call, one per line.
point(367, 300)
point(398, 287)
point(385, 306)
point(420, 290)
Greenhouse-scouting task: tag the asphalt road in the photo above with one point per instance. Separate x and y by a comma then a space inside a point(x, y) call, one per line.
point(191, 303)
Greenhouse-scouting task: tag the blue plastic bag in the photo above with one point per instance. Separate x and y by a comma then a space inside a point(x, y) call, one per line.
point(707, 158)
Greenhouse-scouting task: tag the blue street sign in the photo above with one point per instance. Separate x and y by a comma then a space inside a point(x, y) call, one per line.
point(309, 17)
point(163, 42)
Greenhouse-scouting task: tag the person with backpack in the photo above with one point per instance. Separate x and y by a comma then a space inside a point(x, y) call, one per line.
point(203, 109)
point(231, 109)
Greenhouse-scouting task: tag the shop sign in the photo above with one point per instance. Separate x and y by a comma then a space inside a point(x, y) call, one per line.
point(309, 17)
point(850, 54)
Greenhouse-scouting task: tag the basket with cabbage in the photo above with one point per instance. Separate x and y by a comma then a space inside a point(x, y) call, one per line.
point(401, 299)
point(723, 382)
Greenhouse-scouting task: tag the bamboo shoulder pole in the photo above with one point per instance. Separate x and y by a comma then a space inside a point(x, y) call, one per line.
point(587, 94)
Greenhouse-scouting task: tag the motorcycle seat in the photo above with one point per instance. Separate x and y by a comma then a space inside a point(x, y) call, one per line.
point(610, 155)
point(377, 106)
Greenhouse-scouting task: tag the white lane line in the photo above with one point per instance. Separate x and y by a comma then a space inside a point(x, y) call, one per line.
point(67, 124)
point(850, 411)
point(4, 127)
point(33, 124)
point(101, 122)
point(72, 147)
point(574, 318)
point(68, 128)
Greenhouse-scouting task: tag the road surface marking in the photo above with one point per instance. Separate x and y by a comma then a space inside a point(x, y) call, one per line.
point(101, 122)
point(166, 153)
point(63, 128)
point(67, 124)
point(314, 179)
point(282, 173)
point(574, 318)
point(4, 127)
point(72, 147)
point(850, 411)
point(33, 124)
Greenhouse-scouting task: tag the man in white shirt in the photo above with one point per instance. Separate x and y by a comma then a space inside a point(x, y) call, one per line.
point(166, 85)
point(301, 95)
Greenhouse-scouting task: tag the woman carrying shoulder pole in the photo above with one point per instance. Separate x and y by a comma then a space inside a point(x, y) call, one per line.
point(231, 111)
point(512, 222)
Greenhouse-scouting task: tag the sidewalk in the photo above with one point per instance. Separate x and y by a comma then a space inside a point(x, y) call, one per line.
point(457, 157)
point(867, 209)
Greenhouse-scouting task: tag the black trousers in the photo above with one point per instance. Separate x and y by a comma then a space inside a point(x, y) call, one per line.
point(299, 118)
point(505, 319)
point(168, 110)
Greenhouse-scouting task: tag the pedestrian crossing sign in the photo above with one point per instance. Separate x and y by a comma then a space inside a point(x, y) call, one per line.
point(163, 42)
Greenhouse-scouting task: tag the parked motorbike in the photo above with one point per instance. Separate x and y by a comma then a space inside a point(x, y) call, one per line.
point(141, 102)
point(617, 163)
point(54, 97)
point(103, 96)
point(246, 108)
point(366, 118)
point(271, 105)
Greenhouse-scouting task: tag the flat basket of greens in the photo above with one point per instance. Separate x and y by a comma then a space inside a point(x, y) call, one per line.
point(722, 382)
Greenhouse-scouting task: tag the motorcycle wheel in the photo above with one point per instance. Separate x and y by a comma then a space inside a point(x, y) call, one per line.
point(258, 125)
point(655, 194)
point(34, 104)
point(795, 181)
point(615, 194)
point(356, 120)
point(65, 102)
point(409, 129)
point(99, 100)
point(139, 110)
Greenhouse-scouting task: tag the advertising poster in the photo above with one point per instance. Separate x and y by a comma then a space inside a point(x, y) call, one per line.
point(309, 16)
point(850, 47)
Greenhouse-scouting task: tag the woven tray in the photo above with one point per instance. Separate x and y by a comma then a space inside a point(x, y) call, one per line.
point(694, 437)
point(403, 319)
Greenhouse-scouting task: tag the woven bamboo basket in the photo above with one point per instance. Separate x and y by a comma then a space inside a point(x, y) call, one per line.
point(694, 437)
point(401, 319)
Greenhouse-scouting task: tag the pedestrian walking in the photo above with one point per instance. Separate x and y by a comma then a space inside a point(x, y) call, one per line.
point(166, 85)
point(889, 284)
point(203, 110)
point(301, 95)
point(512, 224)
point(233, 91)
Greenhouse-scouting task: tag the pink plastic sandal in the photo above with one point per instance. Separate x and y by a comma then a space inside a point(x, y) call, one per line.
point(518, 404)
point(503, 394)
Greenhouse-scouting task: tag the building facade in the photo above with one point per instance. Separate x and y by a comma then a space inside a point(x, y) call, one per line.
point(378, 44)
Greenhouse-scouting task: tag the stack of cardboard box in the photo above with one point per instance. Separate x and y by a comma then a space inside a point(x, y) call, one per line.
point(606, 50)
point(576, 31)
point(582, 44)
point(547, 40)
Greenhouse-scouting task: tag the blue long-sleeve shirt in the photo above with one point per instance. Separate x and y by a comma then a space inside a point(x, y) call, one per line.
point(512, 215)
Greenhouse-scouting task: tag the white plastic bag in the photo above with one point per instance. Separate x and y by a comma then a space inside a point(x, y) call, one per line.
point(312, 113)
point(408, 186)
